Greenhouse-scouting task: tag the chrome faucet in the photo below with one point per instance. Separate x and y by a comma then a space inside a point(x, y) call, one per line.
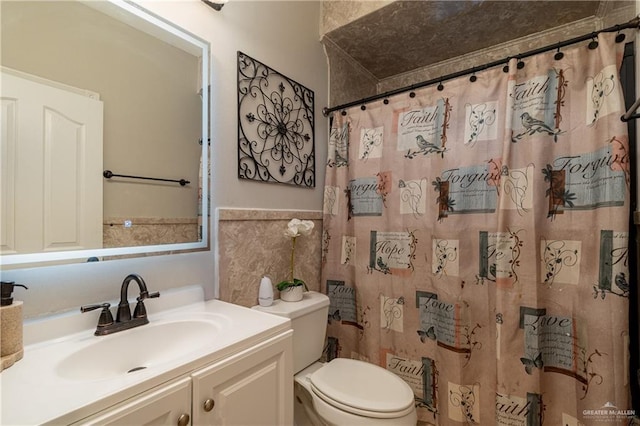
point(124, 321)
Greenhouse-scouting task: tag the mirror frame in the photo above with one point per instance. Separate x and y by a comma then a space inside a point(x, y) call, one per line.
point(131, 13)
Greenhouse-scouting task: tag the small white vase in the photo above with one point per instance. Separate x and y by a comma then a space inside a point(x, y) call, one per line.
point(292, 294)
point(265, 292)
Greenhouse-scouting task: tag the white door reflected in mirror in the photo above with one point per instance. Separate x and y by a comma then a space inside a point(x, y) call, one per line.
point(58, 206)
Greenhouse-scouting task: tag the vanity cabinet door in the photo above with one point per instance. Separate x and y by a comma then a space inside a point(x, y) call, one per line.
point(165, 405)
point(252, 387)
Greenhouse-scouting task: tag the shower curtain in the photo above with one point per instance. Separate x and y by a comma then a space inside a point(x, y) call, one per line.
point(475, 241)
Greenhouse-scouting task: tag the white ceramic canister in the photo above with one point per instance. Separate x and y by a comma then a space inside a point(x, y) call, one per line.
point(265, 293)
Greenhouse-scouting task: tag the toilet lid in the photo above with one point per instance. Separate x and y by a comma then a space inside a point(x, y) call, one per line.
point(362, 388)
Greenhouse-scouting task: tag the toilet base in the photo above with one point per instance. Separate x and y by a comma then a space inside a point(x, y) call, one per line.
point(303, 412)
point(302, 415)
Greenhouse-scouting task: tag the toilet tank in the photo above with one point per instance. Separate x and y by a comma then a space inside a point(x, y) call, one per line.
point(309, 322)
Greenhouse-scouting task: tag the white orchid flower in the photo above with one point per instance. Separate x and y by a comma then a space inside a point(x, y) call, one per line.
point(297, 227)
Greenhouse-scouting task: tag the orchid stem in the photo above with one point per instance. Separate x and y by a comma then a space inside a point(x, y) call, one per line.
point(293, 248)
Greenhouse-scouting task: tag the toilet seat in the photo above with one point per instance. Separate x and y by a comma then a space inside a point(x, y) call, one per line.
point(362, 389)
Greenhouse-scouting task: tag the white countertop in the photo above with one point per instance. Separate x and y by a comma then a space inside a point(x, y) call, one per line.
point(32, 392)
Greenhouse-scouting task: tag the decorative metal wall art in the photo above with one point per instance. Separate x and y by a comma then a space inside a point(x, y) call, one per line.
point(275, 126)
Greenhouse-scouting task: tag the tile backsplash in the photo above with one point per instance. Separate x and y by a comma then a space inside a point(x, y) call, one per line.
point(146, 231)
point(251, 244)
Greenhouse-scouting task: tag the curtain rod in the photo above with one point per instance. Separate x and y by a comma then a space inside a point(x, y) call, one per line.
point(634, 23)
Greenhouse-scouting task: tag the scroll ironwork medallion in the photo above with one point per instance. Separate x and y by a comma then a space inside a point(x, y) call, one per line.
point(275, 126)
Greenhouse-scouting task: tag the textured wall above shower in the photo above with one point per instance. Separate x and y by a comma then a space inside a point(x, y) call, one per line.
point(384, 40)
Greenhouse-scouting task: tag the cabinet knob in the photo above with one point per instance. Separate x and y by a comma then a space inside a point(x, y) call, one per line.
point(208, 405)
point(183, 420)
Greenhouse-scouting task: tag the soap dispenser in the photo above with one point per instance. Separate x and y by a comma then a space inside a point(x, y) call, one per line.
point(11, 349)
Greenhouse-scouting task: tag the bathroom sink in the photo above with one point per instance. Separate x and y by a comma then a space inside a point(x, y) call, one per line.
point(67, 374)
point(138, 349)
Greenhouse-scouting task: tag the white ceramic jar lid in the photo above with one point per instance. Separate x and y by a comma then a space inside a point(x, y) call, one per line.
point(360, 387)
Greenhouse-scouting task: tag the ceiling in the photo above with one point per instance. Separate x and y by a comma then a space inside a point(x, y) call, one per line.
point(407, 35)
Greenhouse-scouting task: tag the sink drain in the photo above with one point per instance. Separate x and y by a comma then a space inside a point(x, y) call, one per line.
point(136, 369)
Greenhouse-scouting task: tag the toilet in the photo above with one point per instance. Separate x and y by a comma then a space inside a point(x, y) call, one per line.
point(343, 391)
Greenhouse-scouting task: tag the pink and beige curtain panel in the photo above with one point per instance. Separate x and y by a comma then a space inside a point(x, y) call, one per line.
point(475, 241)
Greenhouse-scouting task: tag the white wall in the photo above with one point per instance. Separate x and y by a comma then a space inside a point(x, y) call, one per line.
point(284, 36)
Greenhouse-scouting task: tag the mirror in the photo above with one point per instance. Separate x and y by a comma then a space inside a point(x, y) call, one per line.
point(95, 86)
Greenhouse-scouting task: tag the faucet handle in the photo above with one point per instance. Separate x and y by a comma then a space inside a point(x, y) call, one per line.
point(105, 316)
point(88, 308)
point(146, 295)
point(140, 311)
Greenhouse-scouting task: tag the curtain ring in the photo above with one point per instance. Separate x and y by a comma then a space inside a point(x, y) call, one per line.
point(593, 45)
point(412, 94)
point(559, 55)
point(620, 37)
point(440, 87)
point(505, 69)
point(343, 112)
point(363, 107)
point(520, 64)
point(385, 101)
point(473, 78)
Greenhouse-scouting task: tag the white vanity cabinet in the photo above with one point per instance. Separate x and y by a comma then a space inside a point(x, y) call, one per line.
point(238, 361)
point(166, 405)
point(253, 386)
